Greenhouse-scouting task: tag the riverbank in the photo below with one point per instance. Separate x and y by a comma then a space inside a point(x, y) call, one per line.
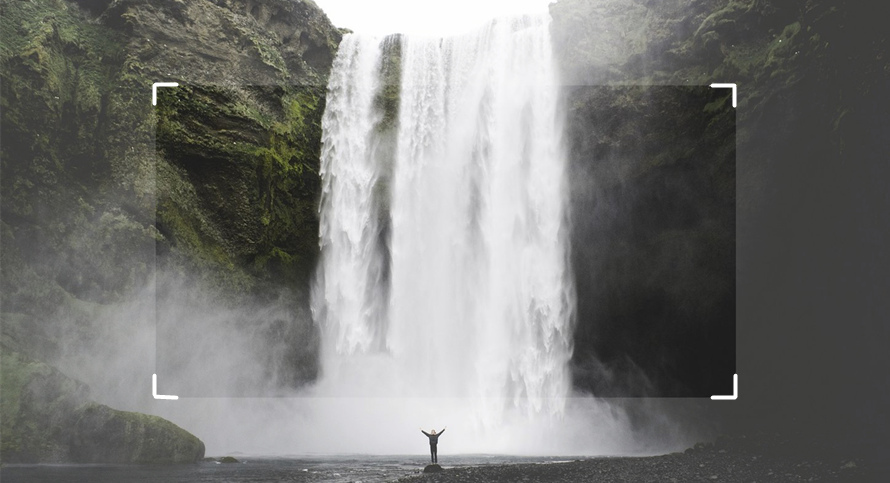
point(760, 459)
point(737, 460)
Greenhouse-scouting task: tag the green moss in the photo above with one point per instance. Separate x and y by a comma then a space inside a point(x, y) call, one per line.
point(85, 158)
point(47, 417)
point(62, 154)
point(205, 121)
point(15, 374)
point(267, 46)
point(723, 18)
point(783, 54)
point(234, 170)
point(269, 54)
point(259, 143)
point(288, 177)
point(105, 434)
point(201, 254)
point(34, 407)
point(185, 228)
point(57, 70)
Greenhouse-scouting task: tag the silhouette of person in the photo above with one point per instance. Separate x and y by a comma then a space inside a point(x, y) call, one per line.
point(434, 440)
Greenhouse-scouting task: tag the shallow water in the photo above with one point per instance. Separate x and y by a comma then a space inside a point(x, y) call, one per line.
point(340, 469)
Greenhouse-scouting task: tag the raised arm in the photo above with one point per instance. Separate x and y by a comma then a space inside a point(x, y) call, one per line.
point(443, 430)
point(424, 432)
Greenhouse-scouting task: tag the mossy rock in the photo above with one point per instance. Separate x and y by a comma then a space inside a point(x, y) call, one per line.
point(105, 435)
point(39, 404)
point(47, 417)
point(228, 459)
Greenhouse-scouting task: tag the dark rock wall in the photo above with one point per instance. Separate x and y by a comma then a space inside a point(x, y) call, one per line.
point(104, 435)
point(653, 239)
point(220, 180)
point(811, 149)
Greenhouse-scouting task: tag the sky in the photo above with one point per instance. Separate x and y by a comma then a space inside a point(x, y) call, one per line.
point(423, 17)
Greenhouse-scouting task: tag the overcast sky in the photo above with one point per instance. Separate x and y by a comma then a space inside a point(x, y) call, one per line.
point(422, 17)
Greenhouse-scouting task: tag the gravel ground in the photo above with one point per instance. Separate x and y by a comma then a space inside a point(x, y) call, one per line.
point(727, 460)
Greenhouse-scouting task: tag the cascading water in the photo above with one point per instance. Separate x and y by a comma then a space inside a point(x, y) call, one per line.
point(443, 278)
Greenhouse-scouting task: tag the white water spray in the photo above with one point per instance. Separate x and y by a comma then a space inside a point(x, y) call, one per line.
point(442, 289)
point(452, 285)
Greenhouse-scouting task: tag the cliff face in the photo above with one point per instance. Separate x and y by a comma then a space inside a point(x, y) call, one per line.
point(653, 239)
point(653, 196)
point(229, 160)
point(811, 77)
point(218, 184)
point(102, 192)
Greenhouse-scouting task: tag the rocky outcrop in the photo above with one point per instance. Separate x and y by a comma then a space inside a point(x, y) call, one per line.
point(105, 435)
point(216, 187)
point(237, 183)
point(653, 197)
point(653, 239)
point(48, 417)
point(811, 119)
point(221, 180)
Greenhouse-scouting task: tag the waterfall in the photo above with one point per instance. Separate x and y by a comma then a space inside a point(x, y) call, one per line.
point(444, 266)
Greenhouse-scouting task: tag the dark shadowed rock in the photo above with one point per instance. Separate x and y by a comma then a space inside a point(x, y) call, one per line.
point(39, 403)
point(796, 157)
point(434, 468)
point(48, 417)
point(228, 459)
point(105, 435)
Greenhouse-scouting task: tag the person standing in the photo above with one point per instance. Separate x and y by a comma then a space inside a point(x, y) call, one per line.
point(434, 441)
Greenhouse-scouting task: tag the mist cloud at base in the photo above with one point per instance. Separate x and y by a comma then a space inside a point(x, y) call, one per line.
point(117, 360)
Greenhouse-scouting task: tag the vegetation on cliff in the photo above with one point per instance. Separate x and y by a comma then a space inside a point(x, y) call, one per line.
point(48, 417)
point(101, 192)
point(219, 182)
point(226, 164)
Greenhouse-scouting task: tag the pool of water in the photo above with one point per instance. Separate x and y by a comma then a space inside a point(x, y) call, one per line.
point(341, 469)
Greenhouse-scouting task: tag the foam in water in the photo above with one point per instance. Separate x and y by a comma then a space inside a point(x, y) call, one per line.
point(443, 283)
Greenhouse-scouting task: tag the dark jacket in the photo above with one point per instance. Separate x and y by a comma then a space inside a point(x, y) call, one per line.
point(434, 438)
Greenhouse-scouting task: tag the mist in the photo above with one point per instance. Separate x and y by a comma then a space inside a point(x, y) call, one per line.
point(118, 357)
point(270, 376)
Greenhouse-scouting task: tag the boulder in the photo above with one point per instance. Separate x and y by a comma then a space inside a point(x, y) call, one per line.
point(105, 435)
point(48, 417)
